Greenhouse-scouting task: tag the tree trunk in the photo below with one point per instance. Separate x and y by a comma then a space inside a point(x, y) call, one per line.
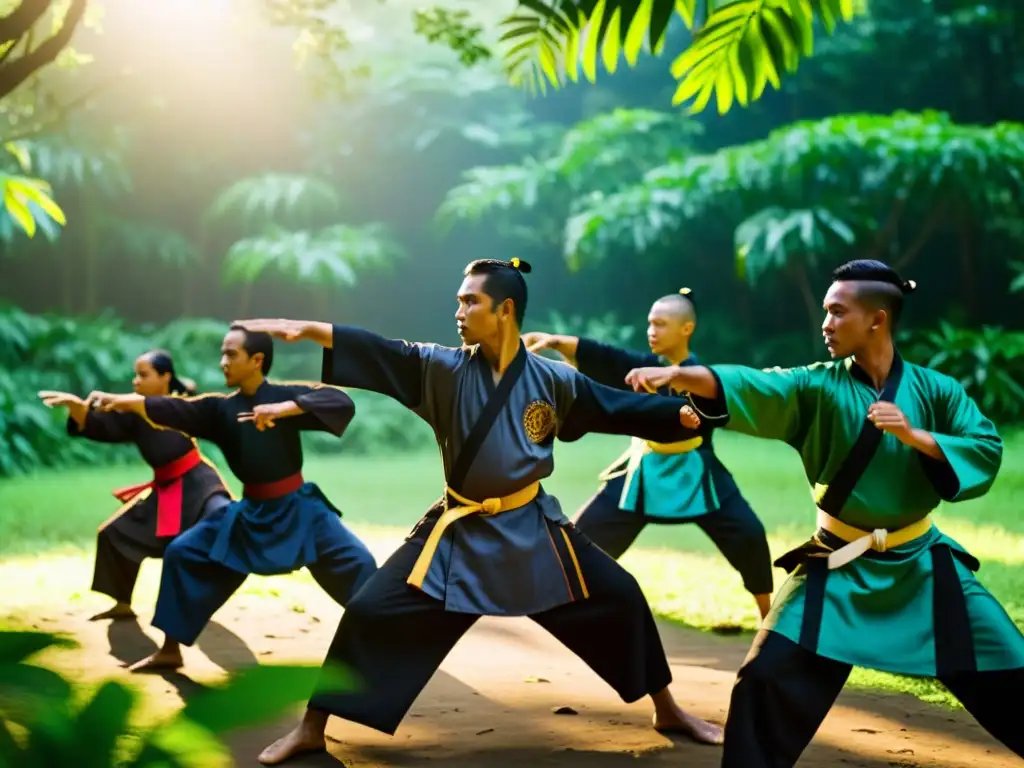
point(799, 273)
point(244, 299)
point(322, 303)
point(924, 234)
point(969, 288)
point(889, 231)
point(67, 283)
point(91, 262)
point(188, 285)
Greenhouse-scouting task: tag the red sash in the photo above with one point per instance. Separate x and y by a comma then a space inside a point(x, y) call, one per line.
point(167, 483)
point(274, 490)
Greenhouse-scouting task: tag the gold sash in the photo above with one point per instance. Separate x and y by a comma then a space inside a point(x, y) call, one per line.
point(639, 448)
point(466, 507)
point(860, 541)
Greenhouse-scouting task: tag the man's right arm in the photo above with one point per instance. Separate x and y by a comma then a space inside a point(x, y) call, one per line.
point(765, 403)
point(192, 416)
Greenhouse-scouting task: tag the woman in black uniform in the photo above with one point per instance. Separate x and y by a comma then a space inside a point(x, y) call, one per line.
point(185, 484)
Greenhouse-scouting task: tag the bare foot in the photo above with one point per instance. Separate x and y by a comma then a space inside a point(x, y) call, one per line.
point(682, 723)
point(161, 660)
point(300, 741)
point(119, 611)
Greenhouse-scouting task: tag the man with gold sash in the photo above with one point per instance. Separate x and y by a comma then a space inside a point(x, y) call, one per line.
point(673, 483)
point(495, 544)
point(883, 442)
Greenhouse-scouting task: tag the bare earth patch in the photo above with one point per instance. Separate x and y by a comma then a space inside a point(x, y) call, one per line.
point(495, 696)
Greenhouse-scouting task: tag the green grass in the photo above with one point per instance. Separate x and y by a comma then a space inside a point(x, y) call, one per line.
point(684, 577)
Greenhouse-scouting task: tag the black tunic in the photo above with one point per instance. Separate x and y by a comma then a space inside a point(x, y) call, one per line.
point(136, 518)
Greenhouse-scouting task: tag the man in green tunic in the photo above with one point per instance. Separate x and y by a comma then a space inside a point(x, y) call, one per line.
point(665, 483)
point(882, 441)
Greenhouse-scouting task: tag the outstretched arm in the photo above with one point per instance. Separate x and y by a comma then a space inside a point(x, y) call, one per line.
point(193, 416)
point(597, 408)
point(774, 403)
point(90, 424)
point(609, 365)
point(357, 358)
point(696, 379)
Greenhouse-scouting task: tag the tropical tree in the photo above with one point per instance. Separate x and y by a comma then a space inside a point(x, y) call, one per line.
point(27, 202)
point(26, 45)
point(791, 242)
point(737, 48)
point(598, 156)
point(88, 175)
point(913, 175)
point(325, 256)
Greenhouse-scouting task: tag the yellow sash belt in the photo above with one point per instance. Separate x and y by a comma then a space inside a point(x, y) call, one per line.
point(487, 507)
point(860, 541)
point(639, 448)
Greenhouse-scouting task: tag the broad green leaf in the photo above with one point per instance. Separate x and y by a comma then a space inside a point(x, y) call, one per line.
point(180, 743)
point(101, 722)
point(37, 191)
point(17, 646)
point(26, 691)
point(21, 154)
point(637, 32)
point(687, 10)
point(610, 46)
point(592, 41)
point(261, 693)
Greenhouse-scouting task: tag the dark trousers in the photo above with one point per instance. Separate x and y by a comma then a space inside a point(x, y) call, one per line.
point(123, 544)
point(394, 637)
point(193, 586)
point(783, 693)
point(734, 528)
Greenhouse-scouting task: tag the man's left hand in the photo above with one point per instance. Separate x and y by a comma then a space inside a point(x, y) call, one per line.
point(264, 416)
point(889, 418)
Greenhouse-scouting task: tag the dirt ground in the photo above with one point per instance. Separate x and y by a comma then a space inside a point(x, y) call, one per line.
point(494, 697)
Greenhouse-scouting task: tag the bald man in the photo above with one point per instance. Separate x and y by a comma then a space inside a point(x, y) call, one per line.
point(665, 483)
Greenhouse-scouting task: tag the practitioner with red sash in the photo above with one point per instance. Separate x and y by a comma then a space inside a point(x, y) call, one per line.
point(281, 523)
point(185, 485)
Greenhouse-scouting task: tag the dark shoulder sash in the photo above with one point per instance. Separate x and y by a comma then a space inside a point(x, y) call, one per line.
point(475, 438)
point(841, 486)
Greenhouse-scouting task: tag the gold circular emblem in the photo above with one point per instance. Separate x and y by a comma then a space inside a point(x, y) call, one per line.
point(539, 420)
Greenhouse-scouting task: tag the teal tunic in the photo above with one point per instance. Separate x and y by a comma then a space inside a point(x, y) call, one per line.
point(667, 487)
point(894, 611)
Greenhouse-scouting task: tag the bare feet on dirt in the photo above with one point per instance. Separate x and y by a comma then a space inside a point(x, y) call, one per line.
point(685, 724)
point(304, 739)
point(164, 659)
point(119, 611)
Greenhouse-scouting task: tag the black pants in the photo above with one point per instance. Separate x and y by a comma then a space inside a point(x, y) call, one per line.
point(734, 528)
point(394, 637)
point(783, 693)
point(123, 544)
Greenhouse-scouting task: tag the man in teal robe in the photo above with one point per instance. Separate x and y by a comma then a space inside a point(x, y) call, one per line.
point(665, 483)
point(882, 441)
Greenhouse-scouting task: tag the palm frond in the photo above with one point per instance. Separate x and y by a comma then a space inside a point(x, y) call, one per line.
point(737, 50)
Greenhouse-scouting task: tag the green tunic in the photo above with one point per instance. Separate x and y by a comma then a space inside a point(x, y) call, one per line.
point(895, 611)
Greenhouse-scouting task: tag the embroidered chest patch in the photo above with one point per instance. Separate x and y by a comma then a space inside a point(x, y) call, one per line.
point(539, 421)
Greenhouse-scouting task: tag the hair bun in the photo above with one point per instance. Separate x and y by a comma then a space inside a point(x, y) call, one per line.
point(685, 292)
point(909, 286)
point(520, 265)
